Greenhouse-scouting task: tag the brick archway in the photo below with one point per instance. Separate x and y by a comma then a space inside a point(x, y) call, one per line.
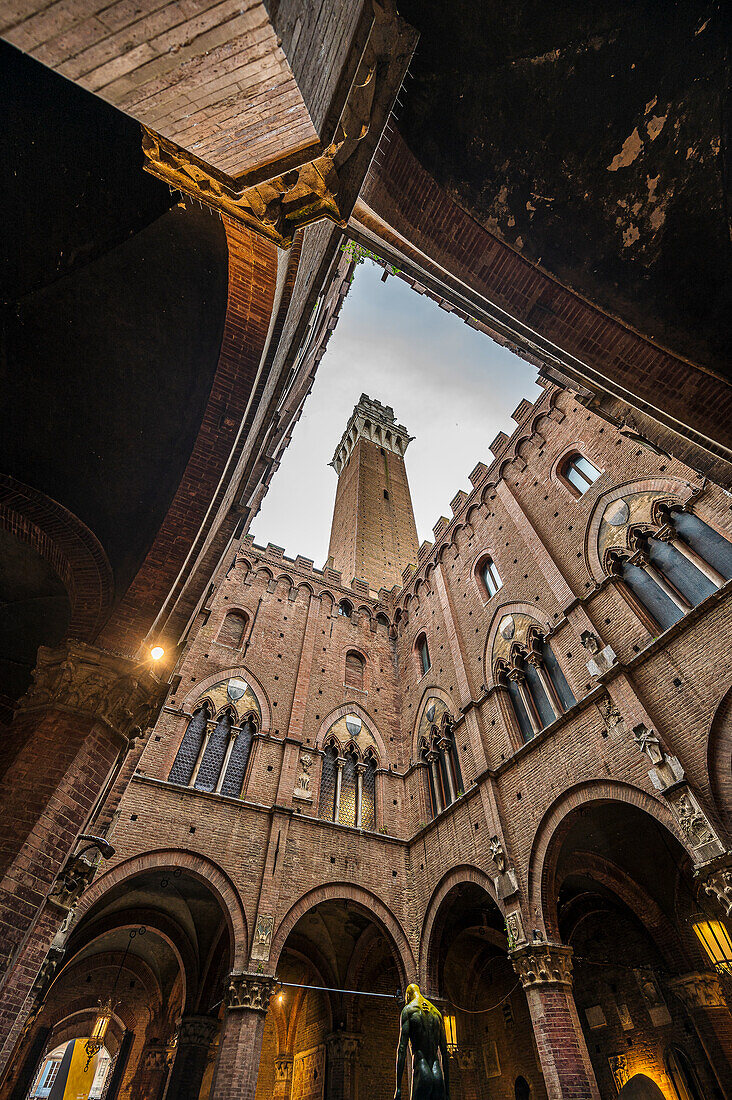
point(719, 759)
point(555, 825)
point(465, 873)
point(68, 546)
point(198, 867)
point(356, 895)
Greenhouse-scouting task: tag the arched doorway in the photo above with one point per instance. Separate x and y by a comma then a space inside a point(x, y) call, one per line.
point(332, 1026)
point(156, 948)
point(472, 981)
point(68, 1068)
point(617, 886)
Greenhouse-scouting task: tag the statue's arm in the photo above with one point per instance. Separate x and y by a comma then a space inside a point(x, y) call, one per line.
point(401, 1054)
point(445, 1056)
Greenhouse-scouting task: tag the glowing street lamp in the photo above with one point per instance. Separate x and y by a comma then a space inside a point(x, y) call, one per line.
point(157, 652)
point(96, 1041)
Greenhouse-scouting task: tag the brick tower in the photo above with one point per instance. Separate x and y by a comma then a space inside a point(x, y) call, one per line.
point(373, 536)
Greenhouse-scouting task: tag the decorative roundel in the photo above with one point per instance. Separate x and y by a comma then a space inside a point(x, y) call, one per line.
point(617, 513)
point(353, 724)
point(507, 627)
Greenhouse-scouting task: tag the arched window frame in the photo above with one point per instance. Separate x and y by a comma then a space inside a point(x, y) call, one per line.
point(487, 577)
point(344, 608)
point(232, 612)
point(422, 654)
point(534, 686)
point(348, 683)
point(438, 751)
point(351, 767)
point(245, 727)
point(687, 560)
point(562, 463)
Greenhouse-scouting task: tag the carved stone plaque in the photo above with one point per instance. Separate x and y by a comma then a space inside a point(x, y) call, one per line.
point(308, 1074)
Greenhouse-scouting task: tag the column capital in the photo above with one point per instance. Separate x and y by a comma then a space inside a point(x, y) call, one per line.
point(157, 1056)
point(83, 680)
point(252, 991)
point(699, 990)
point(343, 1044)
point(543, 964)
point(283, 1067)
point(197, 1031)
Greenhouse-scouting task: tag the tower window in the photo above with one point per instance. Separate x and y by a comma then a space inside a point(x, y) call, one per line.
point(345, 608)
point(386, 494)
point(490, 576)
point(355, 666)
point(578, 472)
point(423, 653)
point(232, 630)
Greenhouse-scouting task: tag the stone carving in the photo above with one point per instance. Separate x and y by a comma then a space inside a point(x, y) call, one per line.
point(83, 680)
point(653, 997)
point(667, 770)
point(694, 824)
point(327, 185)
point(302, 783)
point(717, 883)
point(539, 964)
point(619, 1068)
point(603, 657)
point(262, 937)
point(514, 929)
point(611, 716)
point(343, 1044)
point(497, 854)
point(197, 1031)
point(157, 1056)
point(46, 974)
point(700, 990)
point(71, 883)
point(252, 991)
point(283, 1069)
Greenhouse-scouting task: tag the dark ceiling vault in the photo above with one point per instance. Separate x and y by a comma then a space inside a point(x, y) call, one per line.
point(590, 137)
point(113, 327)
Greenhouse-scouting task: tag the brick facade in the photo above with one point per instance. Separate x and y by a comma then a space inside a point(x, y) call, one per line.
point(535, 829)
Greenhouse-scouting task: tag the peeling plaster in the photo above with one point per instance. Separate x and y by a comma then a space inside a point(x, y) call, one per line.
point(631, 148)
point(655, 125)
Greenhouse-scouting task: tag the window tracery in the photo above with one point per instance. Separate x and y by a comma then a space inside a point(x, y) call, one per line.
point(668, 559)
point(216, 746)
point(348, 776)
point(438, 752)
point(525, 664)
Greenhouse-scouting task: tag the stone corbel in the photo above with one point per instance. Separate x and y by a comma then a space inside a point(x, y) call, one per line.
point(250, 991)
point(71, 883)
point(343, 1045)
point(543, 964)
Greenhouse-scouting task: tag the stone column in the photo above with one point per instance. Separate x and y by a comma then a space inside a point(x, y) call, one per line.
point(283, 1077)
point(341, 1072)
point(247, 1000)
point(195, 1036)
point(702, 997)
point(545, 971)
point(83, 710)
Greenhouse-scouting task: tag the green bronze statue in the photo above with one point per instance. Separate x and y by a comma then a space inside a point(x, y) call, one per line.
point(422, 1026)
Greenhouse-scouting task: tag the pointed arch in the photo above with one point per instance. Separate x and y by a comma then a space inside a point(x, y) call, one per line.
point(200, 688)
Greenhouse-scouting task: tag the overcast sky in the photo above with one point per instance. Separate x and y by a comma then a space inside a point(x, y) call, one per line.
point(452, 387)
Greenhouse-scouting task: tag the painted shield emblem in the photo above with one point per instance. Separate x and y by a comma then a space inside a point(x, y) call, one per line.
point(353, 725)
point(236, 689)
point(431, 713)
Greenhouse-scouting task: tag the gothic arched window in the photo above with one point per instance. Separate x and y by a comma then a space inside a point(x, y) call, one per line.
point(190, 747)
point(345, 608)
point(232, 629)
point(423, 653)
point(578, 472)
point(537, 688)
point(348, 787)
point(444, 778)
point(355, 666)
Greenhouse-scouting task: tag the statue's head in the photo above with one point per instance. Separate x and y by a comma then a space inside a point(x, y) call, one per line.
point(411, 993)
